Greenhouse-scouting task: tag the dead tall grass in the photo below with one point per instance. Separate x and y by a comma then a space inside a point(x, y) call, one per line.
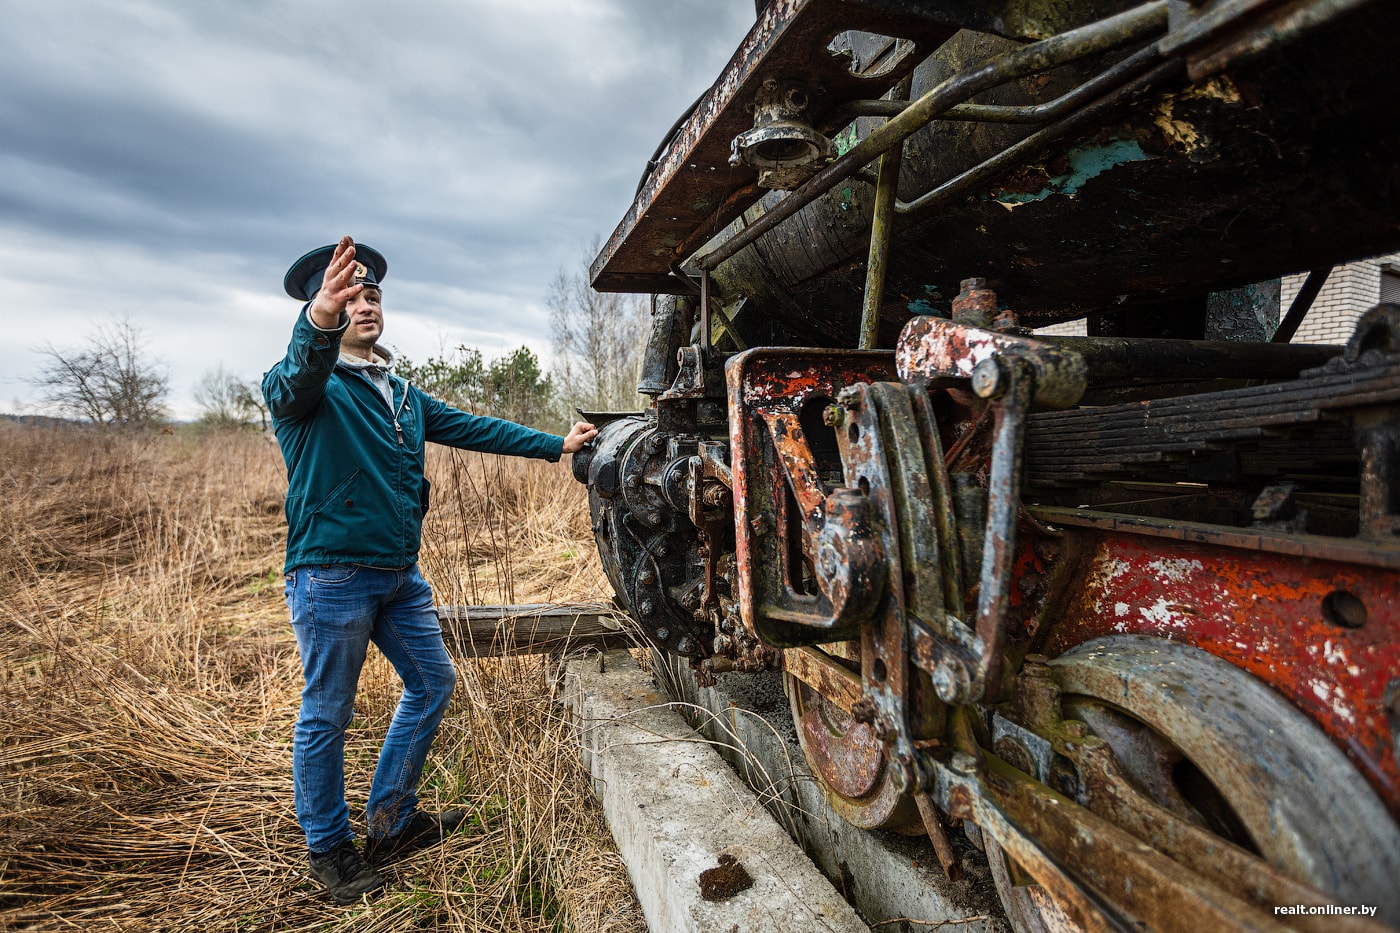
point(150, 682)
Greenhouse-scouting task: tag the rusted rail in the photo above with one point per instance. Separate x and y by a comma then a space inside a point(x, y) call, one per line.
point(532, 628)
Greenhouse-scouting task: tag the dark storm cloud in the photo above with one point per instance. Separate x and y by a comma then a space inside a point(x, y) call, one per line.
point(157, 156)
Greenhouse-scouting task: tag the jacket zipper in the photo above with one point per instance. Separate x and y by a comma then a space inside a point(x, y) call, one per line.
point(395, 414)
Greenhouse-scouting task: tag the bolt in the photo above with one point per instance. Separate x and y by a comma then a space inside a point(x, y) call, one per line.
point(1035, 665)
point(963, 763)
point(950, 682)
point(647, 608)
point(863, 710)
point(663, 551)
point(715, 496)
point(987, 380)
point(834, 415)
point(655, 443)
point(663, 634)
point(902, 775)
point(633, 481)
point(829, 562)
point(646, 577)
point(686, 645)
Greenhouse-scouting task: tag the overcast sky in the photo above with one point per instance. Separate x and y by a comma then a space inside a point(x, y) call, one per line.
point(166, 161)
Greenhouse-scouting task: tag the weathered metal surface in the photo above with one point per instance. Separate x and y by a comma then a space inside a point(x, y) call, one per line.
point(693, 178)
point(881, 226)
point(1097, 442)
point(1012, 371)
point(639, 506)
point(1275, 770)
point(843, 748)
point(1087, 41)
point(1361, 553)
point(883, 456)
point(1254, 526)
point(818, 670)
point(781, 395)
point(1275, 616)
point(931, 347)
point(1231, 181)
point(782, 145)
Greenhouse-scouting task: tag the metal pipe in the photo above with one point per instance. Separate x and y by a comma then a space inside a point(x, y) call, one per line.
point(705, 312)
point(1106, 80)
point(881, 223)
point(1301, 303)
point(956, 187)
point(1003, 510)
point(1103, 36)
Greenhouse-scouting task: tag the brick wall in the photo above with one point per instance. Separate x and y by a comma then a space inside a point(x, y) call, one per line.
point(1079, 328)
point(1351, 290)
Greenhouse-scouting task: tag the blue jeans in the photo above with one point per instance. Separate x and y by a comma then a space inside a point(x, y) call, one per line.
point(337, 610)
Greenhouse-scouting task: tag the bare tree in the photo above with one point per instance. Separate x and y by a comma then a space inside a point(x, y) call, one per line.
point(227, 401)
point(109, 380)
point(598, 341)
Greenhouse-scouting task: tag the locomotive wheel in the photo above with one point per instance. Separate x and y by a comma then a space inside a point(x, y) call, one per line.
point(1203, 738)
point(848, 762)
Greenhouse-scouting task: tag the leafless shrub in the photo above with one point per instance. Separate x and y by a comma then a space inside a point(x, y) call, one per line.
point(108, 380)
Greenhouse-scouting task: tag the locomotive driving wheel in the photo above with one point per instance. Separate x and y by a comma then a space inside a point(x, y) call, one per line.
point(1203, 739)
point(847, 757)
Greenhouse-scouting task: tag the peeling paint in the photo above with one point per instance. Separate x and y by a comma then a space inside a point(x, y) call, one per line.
point(845, 140)
point(1175, 569)
point(1085, 163)
point(1182, 133)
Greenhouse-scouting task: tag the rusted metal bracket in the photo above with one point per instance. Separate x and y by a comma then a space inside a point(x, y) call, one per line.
point(796, 585)
point(1013, 373)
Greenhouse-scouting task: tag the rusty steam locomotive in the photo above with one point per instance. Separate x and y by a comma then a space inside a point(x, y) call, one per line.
point(1122, 608)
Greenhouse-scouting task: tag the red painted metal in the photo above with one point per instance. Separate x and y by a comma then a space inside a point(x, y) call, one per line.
point(1276, 616)
point(771, 392)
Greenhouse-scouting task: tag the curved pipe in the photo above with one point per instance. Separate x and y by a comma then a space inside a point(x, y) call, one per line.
point(1103, 36)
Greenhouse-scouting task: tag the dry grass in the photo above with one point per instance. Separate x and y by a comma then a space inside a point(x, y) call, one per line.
point(151, 680)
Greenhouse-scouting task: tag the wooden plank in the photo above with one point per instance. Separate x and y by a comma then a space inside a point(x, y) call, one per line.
point(532, 628)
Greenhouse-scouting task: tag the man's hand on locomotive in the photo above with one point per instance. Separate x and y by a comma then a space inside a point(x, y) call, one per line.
point(580, 434)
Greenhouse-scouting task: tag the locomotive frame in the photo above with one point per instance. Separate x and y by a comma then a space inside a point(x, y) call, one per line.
point(1120, 608)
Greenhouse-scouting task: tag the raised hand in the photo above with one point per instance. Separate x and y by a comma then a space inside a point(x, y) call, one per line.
point(336, 291)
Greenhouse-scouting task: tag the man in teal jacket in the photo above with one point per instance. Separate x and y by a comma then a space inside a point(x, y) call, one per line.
point(353, 436)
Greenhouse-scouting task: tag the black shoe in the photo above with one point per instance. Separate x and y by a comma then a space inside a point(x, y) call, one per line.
point(424, 830)
point(345, 873)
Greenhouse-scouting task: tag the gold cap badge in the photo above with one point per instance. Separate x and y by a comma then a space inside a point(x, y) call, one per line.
point(360, 272)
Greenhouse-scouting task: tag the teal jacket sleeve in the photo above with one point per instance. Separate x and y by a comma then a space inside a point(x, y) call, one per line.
point(453, 427)
point(294, 387)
